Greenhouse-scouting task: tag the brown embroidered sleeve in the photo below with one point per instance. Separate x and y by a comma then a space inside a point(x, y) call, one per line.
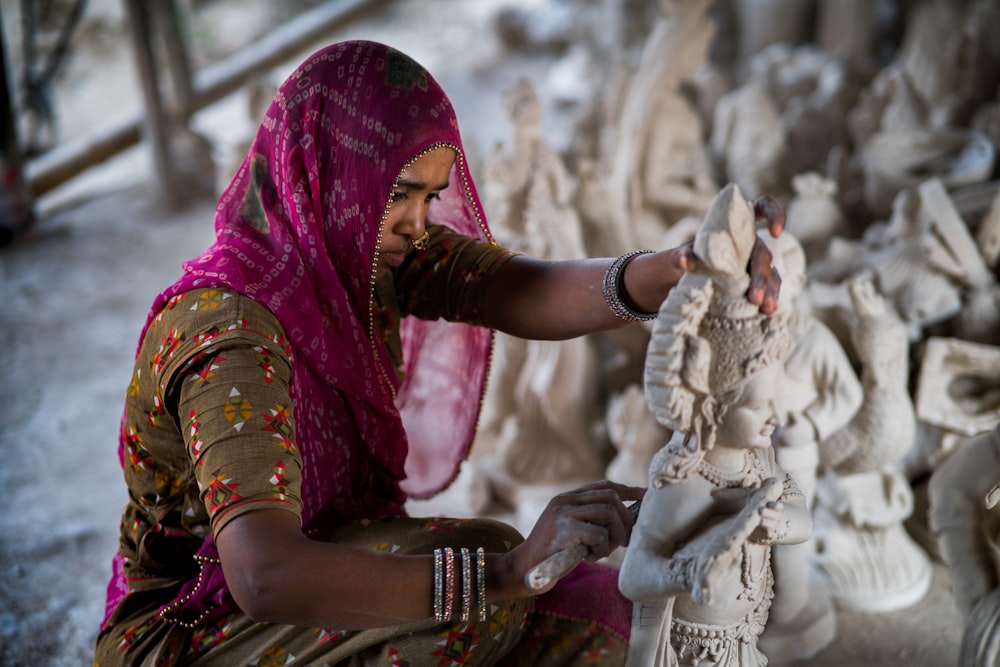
point(447, 280)
point(238, 426)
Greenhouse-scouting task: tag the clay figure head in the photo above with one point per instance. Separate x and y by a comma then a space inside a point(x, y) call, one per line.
point(709, 342)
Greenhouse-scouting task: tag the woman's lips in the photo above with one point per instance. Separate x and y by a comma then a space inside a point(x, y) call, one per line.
point(393, 258)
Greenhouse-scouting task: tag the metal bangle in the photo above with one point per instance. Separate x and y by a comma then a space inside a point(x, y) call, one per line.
point(438, 586)
point(613, 286)
point(481, 582)
point(466, 583)
point(449, 581)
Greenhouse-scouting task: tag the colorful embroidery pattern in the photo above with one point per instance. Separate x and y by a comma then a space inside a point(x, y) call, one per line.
point(279, 421)
point(396, 658)
point(137, 457)
point(221, 492)
point(208, 638)
point(237, 410)
point(275, 657)
point(157, 412)
point(171, 340)
point(211, 298)
point(457, 646)
point(279, 484)
point(441, 524)
point(264, 360)
point(196, 443)
point(205, 372)
point(133, 386)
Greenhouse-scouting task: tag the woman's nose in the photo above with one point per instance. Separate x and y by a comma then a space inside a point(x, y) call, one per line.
point(412, 222)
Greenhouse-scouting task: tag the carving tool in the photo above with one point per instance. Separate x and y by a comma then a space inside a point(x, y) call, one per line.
point(561, 562)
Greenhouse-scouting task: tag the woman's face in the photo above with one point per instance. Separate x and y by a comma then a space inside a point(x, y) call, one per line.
point(753, 418)
point(415, 188)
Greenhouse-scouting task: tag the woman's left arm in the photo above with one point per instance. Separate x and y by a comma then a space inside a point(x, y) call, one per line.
point(550, 300)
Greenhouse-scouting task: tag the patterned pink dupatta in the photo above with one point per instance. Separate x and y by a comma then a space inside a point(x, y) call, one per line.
point(297, 230)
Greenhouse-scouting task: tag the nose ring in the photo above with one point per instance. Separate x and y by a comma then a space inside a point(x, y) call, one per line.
point(420, 243)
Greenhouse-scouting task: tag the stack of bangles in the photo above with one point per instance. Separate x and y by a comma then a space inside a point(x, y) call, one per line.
point(613, 289)
point(446, 583)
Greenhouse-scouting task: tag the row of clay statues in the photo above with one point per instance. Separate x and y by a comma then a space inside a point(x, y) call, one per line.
point(787, 477)
point(720, 507)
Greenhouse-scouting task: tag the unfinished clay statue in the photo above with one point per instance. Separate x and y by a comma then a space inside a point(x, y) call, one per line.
point(660, 169)
point(847, 29)
point(749, 139)
point(813, 92)
point(814, 215)
point(635, 434)
point(528, 159)
point(901, 159)
point(921, 259)
point(698, 562)
point(964, 515)
point(602, 218)
point(535, 435)
point(864, 554)
point(819, 395)
point(944, 55)
point(958, 393)
point(765, 22)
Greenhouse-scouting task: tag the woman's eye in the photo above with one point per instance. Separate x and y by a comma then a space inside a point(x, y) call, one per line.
point(398, 195)
point(431, 197)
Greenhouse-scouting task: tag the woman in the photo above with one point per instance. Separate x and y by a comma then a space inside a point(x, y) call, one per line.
point(324, 361)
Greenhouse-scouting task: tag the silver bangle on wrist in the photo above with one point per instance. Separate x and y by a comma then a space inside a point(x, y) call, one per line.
point(613, 287)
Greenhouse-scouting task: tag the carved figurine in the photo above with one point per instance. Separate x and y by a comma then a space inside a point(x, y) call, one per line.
point(819, 395)
point(958, 394)
point(749, 139)
point(698, 563)
point(920, 258)
point(660, 169)
point(635, 434)
point(864, 555)
point(536, 432)
point(814, 214)
point(964, 514)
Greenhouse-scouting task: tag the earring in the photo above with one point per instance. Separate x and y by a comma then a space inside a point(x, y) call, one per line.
point(420, 243)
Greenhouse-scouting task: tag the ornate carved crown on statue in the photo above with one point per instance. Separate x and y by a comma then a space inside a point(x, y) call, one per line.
point(708, 337)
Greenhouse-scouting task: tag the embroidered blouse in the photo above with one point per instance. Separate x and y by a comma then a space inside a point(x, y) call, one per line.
point(209, 425)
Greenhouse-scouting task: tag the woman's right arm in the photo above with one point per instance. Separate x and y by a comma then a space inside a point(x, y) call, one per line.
point(239, 429)
point(277, 574)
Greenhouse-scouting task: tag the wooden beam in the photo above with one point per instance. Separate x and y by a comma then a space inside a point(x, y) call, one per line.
point(158, 124)
point(50, 170)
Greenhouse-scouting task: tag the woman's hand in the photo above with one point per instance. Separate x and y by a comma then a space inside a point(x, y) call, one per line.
point(649, 278)
point(765, 283)
point(594, 515)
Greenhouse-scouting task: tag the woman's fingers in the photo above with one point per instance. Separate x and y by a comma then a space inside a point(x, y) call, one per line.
point(594, 515)
point(765, 283)
point(768, 209)
point(602, 497)
point(684, 257)
point(600, 524)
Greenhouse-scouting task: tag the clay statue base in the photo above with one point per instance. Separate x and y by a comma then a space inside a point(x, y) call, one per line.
point(871, 569)
point(810, 633)
point(981, 641)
